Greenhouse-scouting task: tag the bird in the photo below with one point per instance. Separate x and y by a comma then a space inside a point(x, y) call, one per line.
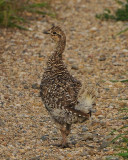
point(64, 97)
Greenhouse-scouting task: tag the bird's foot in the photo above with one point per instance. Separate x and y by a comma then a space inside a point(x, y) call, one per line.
point(62, 145)
point(65, 145)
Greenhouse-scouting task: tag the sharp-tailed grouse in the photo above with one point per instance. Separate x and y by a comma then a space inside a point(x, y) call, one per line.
point(66, 100)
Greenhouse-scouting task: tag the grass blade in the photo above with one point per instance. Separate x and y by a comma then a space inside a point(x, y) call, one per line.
point(38, 5)
point(123, 154)
point(123, 31)
point(123, 81)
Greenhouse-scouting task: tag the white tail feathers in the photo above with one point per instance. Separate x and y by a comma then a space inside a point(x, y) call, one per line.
point(85, 100)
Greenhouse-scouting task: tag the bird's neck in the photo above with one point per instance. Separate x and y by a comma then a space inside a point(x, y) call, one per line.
point(56, 56)
point(60, 46)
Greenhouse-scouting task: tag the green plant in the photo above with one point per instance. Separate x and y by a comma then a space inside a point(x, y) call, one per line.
point(120, 142)
point(121, 14)
point(122, 81)
point(12, 13)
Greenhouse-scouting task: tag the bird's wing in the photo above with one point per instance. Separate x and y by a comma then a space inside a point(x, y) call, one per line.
point(60, 90)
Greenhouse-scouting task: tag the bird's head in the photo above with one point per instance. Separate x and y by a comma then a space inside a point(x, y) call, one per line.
point(56, 34)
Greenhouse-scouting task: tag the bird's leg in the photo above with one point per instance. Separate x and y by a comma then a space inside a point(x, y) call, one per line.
point(65, 132)
point(68, 128)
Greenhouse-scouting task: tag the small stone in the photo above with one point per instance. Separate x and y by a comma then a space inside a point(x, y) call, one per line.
point(113, 56)
point(125, 50)
point(26, 87)
point(84, 129)
point(61, 157)
point(74, 67)
point(72, 138)
point(85, 60)
point(71, 60)
point(98, 113)
point(72, 29)
point(36, 158)
point(1, 104)
point(102, 58)
point(104, 144)
point(22, 151)
point(44, 138)
point(118, 64)
point(54, 130)
point(88, 136)
point(84, 153)
point(93, 29)
point(74, 142)
point(122, 54)
point(124, 118)
point(40, 55)
point(107, 89)
point(6, 96)
point(35, 86)
point(100, 116)
point(1, 123)
point(103, 123)
point(69, 155)
point(111, 107)
point(54, 138)
point(30, 29)
point(2, 60)
point(8, 86)
point(112, 158)
point(105, 150)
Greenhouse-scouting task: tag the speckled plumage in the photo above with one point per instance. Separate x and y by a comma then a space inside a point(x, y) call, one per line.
point(59, 89)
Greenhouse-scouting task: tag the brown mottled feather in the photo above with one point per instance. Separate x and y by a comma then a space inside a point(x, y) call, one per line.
point(59, 89)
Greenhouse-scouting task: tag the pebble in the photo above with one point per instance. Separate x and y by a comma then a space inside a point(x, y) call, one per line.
point(2, 60)
point(72, 138)
point(35, 86)
point(125, 118)
point(84, 129)
point(54, 138)
point(93, 29)
point(1, 104)
point(118, 64)
point(84, 153)
point(26, 87)
point(105, 150)
point(74, 142)
point(54, 130)
point(122, 55)
point(74, 67)
point(104, 144)
point(100, 116)
point(102, 58)
point(1, 123)
point(61, 157)
point(44, 138)
point(125, 50)
point(88, 136)
point(111, 107)
point(112, 158)
point(103, 123)
point(36, 158)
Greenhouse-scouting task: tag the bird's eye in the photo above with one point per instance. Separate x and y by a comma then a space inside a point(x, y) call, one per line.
point(54, 32)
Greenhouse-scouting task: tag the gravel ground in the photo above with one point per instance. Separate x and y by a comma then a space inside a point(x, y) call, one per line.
point(93, 54)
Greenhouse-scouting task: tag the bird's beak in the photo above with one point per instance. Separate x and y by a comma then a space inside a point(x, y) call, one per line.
point(46, 32)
